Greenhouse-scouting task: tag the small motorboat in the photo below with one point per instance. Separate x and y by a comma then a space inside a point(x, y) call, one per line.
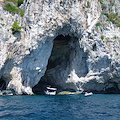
point(50, 91)
point(88, 93)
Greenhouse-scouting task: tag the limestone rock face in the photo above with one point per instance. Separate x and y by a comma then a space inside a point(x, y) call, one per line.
point(59, 46)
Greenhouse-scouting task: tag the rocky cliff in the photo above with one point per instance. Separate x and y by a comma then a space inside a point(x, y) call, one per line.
point(70, 44)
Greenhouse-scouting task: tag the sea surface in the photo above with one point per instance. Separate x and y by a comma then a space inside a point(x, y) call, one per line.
point(60, 107)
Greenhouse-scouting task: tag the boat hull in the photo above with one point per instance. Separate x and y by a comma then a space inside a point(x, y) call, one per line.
point(88, 94)
point(50, 93)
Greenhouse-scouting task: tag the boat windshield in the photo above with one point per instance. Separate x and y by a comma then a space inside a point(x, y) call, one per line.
point(54, 89)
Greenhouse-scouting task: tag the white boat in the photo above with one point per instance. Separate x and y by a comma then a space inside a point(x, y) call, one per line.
point(50, 91)
point(88, 94)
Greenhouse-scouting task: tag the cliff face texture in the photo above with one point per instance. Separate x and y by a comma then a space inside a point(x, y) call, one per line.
point(69, 44)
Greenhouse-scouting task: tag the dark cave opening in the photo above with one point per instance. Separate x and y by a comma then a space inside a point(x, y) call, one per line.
point(113, 90)
point(2, 84)
point(60, 53)
point(65, 57)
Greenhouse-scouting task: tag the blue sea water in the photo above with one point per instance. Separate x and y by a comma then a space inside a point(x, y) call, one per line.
point(60, 107)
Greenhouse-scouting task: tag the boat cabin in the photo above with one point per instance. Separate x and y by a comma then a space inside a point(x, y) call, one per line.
point(50, 91)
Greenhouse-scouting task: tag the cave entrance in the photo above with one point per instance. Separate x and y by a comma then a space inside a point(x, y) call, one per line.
point(60, 51)
point(66, 55)
point(2, 84)
point(59, 55)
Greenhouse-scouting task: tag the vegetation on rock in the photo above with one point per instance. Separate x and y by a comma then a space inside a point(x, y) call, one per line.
point(16, 2)
point(13, 6)
point(20, 2)
point(102, 37)
point(108, 12)
point(16, 27)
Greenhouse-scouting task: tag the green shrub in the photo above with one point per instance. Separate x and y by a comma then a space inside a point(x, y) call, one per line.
point(115, 37)
point(106, 14)
point(101, 1)
point(20, 2)
point(102, 37)
point(98, 24)
point(13, 9)
point(2, 24)
point(107, 40)
point(1, 18)
point(16, 2)
point(111, 2)
point(103, 6)
point(21, 11)
point(115, 50)
point(13, 1)
point(16, 27)
point(118, 25)
point(103, 24)
point(96, 28)
point(112, 17)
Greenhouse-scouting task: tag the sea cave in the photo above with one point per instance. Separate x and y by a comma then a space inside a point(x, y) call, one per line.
point(66, 55)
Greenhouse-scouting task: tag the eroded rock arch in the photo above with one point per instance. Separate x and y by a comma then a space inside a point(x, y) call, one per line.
point(67, 59)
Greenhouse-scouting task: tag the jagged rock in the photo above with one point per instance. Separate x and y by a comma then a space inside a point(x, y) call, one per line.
point(59, 45)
